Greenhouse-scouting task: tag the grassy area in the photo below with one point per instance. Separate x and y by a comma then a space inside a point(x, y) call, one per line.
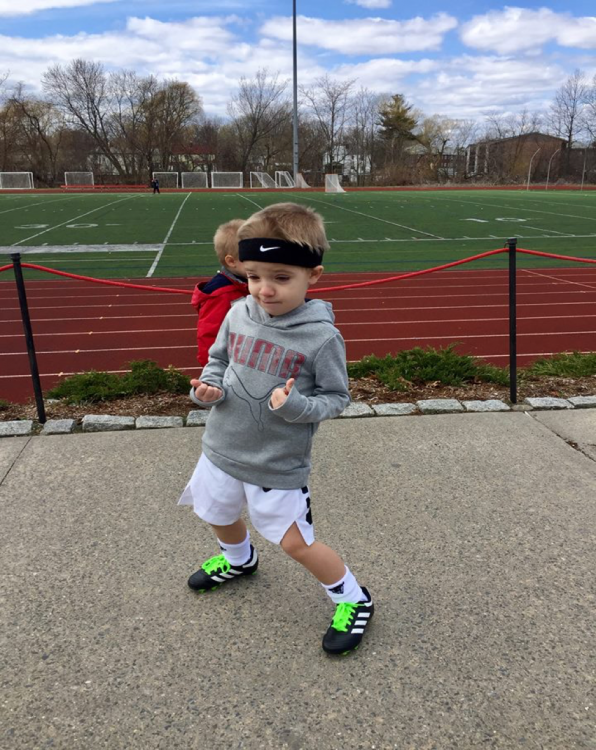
point(124, 235)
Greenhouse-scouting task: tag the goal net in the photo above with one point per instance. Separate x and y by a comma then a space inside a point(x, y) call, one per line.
point(261, 180)
point(194, 180)
point(332, 184)
point(284, 180)
point(166, 179)
point(300, 181)
point(16, 180)
point(78, 178)
point(227, 180)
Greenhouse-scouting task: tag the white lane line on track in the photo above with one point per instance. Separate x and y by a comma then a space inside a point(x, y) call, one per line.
point(165, 242)
point(338, 311)
point(76, 218)
point(538, 274)
point(66, 374)
point(376, 218)
point(347, 340)
point(341, 324)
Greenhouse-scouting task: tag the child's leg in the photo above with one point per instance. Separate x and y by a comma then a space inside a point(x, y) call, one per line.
point(325, 564)
point(233, 534)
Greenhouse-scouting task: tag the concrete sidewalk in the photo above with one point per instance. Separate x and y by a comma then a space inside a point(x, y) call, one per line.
point(474, 532)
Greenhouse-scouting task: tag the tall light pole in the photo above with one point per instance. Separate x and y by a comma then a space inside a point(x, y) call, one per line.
point(530, 168)
point(295, 148)
point(549, 163)
point(584, 168)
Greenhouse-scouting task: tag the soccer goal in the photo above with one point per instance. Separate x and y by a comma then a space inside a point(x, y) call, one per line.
point(284, 180)
point(332, 184)
point(261, 180)
point(72, 179)
point(194, 180)
point(301, 182)
point(227, 180)
point(166, 179)
point(16, 180)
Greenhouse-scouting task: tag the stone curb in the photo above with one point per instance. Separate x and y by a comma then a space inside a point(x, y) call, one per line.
point(198, 417)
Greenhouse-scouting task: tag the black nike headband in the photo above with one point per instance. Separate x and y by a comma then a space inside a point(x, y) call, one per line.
point(268, 250)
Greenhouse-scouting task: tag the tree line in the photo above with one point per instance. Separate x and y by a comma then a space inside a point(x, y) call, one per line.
point(123, 127)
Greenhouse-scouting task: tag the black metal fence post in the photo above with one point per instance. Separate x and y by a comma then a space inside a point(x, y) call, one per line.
point(18, 273)
point(512, 245)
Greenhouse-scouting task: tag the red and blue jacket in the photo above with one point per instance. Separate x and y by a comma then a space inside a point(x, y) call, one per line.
point(212, 299)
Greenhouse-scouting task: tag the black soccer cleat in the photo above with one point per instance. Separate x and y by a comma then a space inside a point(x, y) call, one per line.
point(348, 626)
point(217, 570)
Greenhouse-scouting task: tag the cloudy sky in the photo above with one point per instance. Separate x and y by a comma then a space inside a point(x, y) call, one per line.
point(459, 59)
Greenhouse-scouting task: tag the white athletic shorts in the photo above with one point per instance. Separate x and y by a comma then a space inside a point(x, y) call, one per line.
point(219, 499)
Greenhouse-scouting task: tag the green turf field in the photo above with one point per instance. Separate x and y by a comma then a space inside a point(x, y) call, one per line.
point(144, 235)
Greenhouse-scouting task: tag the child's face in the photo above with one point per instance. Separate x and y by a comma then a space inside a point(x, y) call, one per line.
point(279, 288)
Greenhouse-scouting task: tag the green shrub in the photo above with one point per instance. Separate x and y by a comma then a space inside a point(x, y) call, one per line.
point(90, 386)
point(145, 377)
point(4, 404)
point(418, 366)
point(566, 365)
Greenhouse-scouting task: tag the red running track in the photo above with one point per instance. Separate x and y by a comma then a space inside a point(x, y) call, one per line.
point(80, 326)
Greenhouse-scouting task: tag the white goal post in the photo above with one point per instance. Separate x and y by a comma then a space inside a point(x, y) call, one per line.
point(194, 180)
point(16, 180)
point(332, 184)
point(301, 182)
point(284, 180)
point(261, 180)
point(227, 180)
point(72, 179)
point(166, 179)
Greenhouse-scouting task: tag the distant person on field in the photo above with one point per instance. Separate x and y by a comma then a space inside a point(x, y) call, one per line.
point(155, 186)
point(212, 299)
point(276, 370)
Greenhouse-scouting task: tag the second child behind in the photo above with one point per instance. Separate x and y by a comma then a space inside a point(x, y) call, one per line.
point(212, 299)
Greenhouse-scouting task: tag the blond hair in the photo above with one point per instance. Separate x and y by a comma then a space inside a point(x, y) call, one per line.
point(287, 221)
point(225, 240)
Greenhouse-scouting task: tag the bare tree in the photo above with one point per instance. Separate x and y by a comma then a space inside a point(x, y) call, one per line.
point(362, 136)
point(41, 128)
point(330, 104)
point(566, 109)
point(259, 112)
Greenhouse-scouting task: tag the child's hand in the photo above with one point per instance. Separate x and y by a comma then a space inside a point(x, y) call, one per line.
point(206, 392)
point(279, 395)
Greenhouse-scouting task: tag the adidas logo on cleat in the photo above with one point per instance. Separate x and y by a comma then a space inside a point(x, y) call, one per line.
point(348, 626)
point(217, 570)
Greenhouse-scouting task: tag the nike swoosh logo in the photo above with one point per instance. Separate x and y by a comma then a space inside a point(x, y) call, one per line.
point(266, 249)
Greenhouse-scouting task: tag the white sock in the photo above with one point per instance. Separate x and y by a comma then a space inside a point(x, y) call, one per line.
point(345, 590)
point(236, 554)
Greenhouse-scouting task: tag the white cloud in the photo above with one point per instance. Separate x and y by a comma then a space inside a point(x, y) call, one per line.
point(370, 3)
point(515, 29)
point(26, 7)
point(372, 36)
point(472, 86)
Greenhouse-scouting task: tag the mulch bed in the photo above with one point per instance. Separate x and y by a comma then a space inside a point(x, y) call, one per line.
point(364, 390)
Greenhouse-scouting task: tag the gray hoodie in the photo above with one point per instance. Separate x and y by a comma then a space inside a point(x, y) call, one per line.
point(254, 353)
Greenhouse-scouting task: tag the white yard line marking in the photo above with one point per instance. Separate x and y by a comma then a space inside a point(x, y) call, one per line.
point(79, 249)
point(250, 201)
point(76, 218)
point(542, 229)
point(165, 242)
point(30, 205)
point(515, 208)
point(376, 218)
